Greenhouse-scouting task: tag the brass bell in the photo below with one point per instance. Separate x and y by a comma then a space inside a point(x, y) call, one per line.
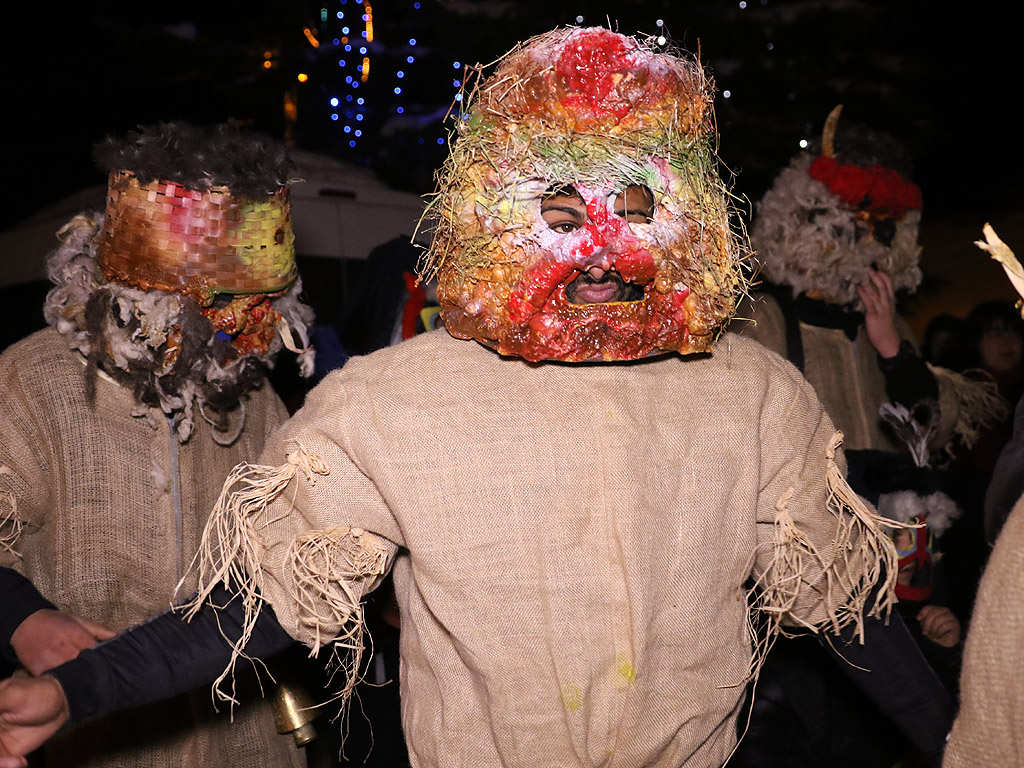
point(294, 712)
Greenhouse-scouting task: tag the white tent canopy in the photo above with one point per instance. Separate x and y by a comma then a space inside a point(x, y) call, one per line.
point(342, 211)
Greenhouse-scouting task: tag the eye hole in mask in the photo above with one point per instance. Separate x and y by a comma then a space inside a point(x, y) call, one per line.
point(635, 204)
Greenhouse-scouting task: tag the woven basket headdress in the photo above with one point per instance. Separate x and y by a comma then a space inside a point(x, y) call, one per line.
point(197, 212)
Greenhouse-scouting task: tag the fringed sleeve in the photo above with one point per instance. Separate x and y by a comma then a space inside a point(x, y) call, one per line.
point(967, 406)
point(310, 534)
point(824, 557)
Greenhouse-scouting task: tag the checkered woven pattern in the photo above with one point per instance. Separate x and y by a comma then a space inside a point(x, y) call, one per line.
point(164, 235)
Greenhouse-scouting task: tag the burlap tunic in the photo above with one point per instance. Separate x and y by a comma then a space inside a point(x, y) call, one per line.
point(989, 729)
point(572, 543)
point(95, 491)
point(845, 375)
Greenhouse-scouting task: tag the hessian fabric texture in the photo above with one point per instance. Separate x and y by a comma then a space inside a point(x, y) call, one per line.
point(572, 544)
point(845, 375)
point(96, 490)
point(989, 729)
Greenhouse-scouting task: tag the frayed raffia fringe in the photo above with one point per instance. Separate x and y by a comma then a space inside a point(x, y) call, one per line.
point(862, 562)
point(10, 522)
point(978, 405)
point(229, 552)
point(330, 570)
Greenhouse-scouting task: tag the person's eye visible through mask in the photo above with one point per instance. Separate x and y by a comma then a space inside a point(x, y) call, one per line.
point(563, 209)
point(635, 204)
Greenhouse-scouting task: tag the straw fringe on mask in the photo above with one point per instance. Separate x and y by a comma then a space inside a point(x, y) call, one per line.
point(861, 546)
point(330, 570)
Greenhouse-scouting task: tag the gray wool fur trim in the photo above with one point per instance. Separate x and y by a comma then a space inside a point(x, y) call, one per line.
point(939, 509)
point(133, 326)
point(806, 238)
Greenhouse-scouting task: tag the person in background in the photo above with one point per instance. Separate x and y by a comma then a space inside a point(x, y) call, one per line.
point(119, 421)
point(942, 344)
point(994, 342)
point(836, 237)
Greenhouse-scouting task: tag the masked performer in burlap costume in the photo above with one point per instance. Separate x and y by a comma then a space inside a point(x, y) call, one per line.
point(576, 499)
point(836, 238)
point(119, 422)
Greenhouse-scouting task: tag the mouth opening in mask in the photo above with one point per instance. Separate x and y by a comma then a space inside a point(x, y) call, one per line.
point(597, 286)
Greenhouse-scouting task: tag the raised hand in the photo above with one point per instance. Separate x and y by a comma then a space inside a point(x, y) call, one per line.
point(880, 313)
point(31, 710)
point(48, 638)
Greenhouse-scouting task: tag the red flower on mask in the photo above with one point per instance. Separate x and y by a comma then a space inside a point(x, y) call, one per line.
point(876, 189)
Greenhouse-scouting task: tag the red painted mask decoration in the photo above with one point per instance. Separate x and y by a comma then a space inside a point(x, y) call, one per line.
point(914, 547)
point(248, 321)
point(580, 216)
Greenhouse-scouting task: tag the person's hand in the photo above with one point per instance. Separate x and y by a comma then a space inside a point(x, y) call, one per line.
point(880, 313)
point(48, 638)
point(939, 625)
point(31, 710)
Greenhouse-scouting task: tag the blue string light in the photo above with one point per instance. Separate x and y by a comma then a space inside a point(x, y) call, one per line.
point(355, 119)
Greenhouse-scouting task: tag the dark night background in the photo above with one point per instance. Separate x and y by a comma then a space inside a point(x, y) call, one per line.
point(939, 80)
point(941, 77)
